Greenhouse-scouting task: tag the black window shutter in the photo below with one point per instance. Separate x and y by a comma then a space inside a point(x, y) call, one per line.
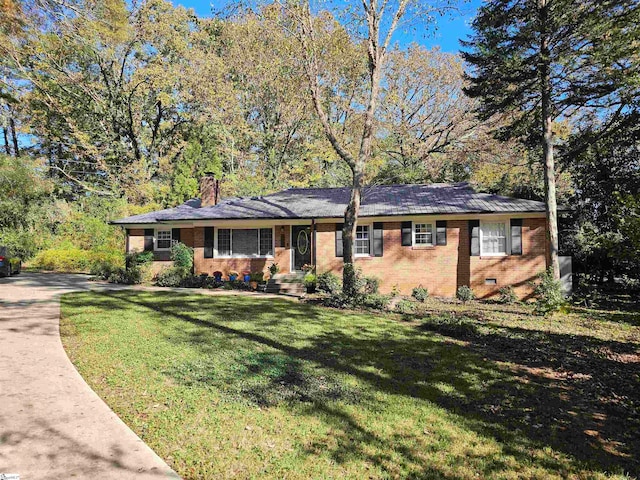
point(441, 232)
point(175, 234)
point(148, 239)
point(208, 242)
point(474, 237)
point(406, 234)
point(339, 227)
point(378, 241)
point(516, 236)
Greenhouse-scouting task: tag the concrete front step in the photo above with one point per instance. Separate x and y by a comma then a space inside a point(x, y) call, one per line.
point(286, 284)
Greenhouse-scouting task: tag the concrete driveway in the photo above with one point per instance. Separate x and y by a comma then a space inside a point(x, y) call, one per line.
point(52, 425)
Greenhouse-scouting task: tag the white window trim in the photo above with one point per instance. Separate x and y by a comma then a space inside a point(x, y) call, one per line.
point(507, 233)
point(413, 234)
point(216, 254)
point(155, 239)
point(362, 255)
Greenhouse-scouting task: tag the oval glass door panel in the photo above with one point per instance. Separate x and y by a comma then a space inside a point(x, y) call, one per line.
point(302, 242)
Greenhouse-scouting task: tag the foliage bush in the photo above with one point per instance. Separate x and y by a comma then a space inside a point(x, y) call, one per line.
point(370, 285)
point(172, 277)
point(138, 258)
point(405, 306)
point(376, 301)
point(507, 295)
point(420, 293)
point(274, 269)
point(329, 283)
point(337, 300)
point(465, 294)
point(128, 276)
point(451, 324)
point(257, 277)
point(64, 260)
point(182, 256)
point(548, 292)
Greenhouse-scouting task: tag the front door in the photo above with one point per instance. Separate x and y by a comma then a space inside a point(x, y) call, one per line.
point(301, 244)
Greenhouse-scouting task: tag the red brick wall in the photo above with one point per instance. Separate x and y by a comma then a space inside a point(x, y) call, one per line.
point(161, 259)
point(405, 267)
point(441, 269)
point(515, 270)
point(210, 265)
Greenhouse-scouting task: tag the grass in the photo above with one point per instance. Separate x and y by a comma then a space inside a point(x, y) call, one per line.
point(238, 387)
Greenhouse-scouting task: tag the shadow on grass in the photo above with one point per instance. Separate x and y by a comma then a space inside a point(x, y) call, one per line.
point(527, 389)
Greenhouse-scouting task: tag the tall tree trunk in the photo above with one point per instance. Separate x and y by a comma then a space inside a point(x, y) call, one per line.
point(14, 137)
point(5, 134)
point(547, 142)
point(349, 234)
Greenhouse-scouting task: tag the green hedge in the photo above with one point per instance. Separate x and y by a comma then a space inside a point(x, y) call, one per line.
point(72, 259)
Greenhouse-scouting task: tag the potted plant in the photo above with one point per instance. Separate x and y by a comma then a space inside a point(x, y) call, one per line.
point(256, 278)
point(233, 275)
point(217, 275)
point(273, 269)
point(310, 282)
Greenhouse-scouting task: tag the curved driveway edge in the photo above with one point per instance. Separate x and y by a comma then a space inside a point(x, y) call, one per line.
point(52, 425)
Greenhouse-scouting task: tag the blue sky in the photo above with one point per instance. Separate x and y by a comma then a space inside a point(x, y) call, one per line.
point(450, 29)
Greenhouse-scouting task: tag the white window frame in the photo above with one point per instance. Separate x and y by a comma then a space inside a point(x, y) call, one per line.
point(216, 254)
point(156, 239)
point(370, 236)
point(507, 234)
point(413, 234)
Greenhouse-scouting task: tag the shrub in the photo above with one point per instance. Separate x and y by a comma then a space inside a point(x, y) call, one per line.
point(138, 259)
point(182, 255)
point(465, 294)
point(64, 259)
point(549, 293)
point(329, 283)
point(273, 269)
point(376, 301)
point(128, 276)
point(337, 300)
point(370, 285)
point(450, 324)
point(172, 277)
point(507, 295)
point(420, 293)
point(257, 277)
point(405, 306)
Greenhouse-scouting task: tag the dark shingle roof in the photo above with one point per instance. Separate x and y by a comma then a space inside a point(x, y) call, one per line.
point(383, 200)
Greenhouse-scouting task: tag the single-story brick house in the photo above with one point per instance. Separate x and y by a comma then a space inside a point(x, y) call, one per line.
point(440, 236)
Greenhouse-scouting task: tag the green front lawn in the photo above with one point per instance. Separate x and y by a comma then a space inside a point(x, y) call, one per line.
point(250, 387)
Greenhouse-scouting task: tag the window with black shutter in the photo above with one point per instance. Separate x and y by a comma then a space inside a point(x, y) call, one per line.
point(516, 236)
point(175, 235)
point(406, 234)
point(208, 242)
point(339, 227)
point(474, 237)
point(378, 242)
point(441, 232)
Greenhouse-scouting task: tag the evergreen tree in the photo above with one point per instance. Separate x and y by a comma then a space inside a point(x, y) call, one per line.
point(544, 61)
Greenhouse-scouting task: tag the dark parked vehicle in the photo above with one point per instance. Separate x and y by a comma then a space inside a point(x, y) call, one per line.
point(9, 265)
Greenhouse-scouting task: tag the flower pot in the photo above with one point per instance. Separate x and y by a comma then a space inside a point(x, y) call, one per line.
point(247, 277)
point(253, 285)
point(232, 278)
point(218, 278)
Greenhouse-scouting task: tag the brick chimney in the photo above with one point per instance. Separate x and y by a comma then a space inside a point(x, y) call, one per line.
point(209, 190)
